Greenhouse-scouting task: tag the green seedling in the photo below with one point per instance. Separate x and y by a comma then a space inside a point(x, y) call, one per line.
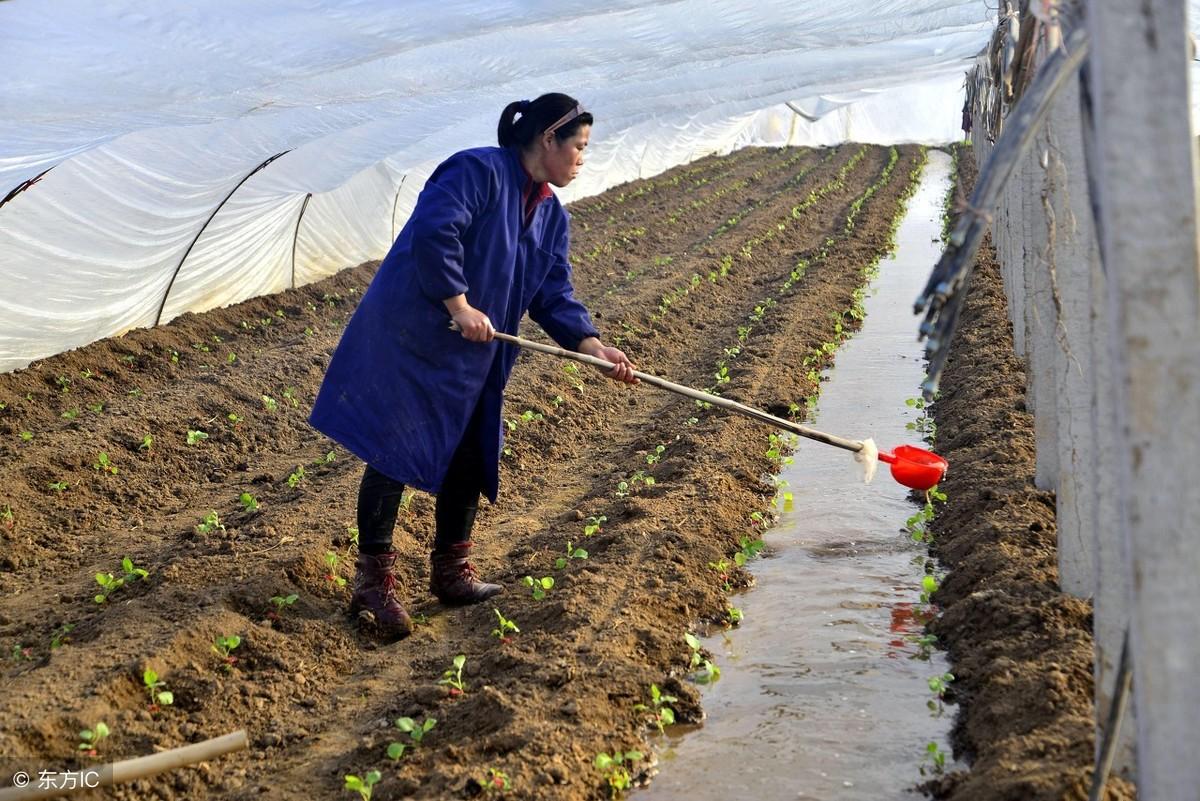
point(924, 424)
point(64, 384)
point(58, 486)
point(352, 533)
point(594, 525)
point(174, 357)
point(615, 770)
point(211, 523)
point(21, 652)
point(539, 587)
point(929, 585)
point(749, 549)
point(572, 553)
point(159, 695)
point(661, 715)
point(328, 458)
point(572, 372)
point(624, 488)
point(504, 627)
point(104, 464)
point(925, 645)
point(938, 685)
point(61, 636)
point(362, 785)
point(734, 615)
point(452, 677)
point(110, 584)
point(224, 647)
point(234, 418)
point(269, 403)
point(200, 346)
point(281, 603)
point(70, 414)
point(231, 358)
point(331, 561)
point(415, 732)
point(918, 525)
point(26, 436)
point(653, 458)
point(497, 782)
point(721, 568)
point(89, 739)
point(936, 759)
point(295, 478)
point(557, 401)
point(704, 671)
point(289, 394)
point(529, 416)
point(6, 518)
point(147, 443)
point(96, 407)
point(249, 502)
point(195, 437)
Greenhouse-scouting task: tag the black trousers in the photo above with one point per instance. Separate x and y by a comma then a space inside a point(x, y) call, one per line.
point(457, 502)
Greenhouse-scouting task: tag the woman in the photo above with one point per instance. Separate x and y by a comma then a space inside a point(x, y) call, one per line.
point(420, 403)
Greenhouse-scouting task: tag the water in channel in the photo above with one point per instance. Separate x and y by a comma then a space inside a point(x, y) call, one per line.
point(822, 694)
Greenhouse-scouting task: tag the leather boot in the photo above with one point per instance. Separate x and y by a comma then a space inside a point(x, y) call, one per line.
point(375, 591)
point(454, 580)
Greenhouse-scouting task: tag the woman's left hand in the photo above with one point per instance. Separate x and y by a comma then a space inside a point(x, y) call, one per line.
point(624, 368)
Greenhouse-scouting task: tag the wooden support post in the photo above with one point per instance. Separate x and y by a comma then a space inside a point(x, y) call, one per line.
point(1143, 172)
point(1041, 315)
point(1090, 558)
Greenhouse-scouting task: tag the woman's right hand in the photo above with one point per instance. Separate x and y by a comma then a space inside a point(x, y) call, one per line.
point(474, 324)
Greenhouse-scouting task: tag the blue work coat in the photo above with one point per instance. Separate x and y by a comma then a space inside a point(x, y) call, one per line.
point(402, 387)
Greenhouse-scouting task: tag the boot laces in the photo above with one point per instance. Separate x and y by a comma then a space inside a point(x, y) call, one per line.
point(387, 586)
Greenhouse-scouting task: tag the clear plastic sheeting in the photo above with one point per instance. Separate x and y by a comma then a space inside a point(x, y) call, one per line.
point(152, 121)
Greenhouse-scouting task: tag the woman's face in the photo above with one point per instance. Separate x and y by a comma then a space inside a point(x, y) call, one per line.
point(564, 157)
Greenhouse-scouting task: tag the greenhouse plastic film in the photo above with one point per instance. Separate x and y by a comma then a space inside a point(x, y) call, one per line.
point(150, 116)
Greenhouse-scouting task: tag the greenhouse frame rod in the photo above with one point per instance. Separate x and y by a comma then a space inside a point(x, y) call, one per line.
point(296, 234)
point(196, 238)
point(942, 298)
point(21, 187)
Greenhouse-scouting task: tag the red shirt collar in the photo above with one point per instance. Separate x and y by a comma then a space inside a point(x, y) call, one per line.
point(534, 192)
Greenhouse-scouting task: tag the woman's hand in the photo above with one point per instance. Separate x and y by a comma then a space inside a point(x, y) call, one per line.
point(474, 324)
point(624, 368)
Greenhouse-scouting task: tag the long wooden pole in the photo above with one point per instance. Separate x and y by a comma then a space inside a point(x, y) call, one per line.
point(716, 400)
point(127, 770)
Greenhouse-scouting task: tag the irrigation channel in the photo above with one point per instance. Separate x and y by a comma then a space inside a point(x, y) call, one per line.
point(824, 687)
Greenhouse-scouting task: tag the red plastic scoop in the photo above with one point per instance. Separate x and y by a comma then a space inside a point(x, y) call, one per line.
point(915, 467)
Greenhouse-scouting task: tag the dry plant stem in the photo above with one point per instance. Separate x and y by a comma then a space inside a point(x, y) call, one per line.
point(139, 768)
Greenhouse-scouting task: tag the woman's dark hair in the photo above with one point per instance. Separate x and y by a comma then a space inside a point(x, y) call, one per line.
point(536, 117)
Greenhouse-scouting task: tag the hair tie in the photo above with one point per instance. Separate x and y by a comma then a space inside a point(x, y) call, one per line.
point(523, 106)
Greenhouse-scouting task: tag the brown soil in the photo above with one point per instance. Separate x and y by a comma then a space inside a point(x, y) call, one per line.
point(673, 267)
point(1021, 649)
